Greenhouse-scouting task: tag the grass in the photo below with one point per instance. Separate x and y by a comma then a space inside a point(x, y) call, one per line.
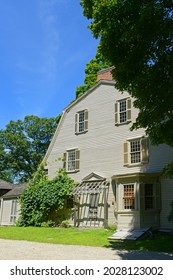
point(158, 242)
point(88, 237)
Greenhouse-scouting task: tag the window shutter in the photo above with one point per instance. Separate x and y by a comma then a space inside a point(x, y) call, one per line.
point(129, 105)
point(64, 160)
point(77, 160)
point(157, 196)
point(86, 120)
point(76, 123)
point(144, 150)
point(116, 113)
point(126, 153)
point(142, 196)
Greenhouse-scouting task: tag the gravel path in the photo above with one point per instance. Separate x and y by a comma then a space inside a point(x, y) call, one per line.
point(24, 250)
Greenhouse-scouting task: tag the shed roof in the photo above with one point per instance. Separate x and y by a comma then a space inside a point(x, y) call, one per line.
point(16, 191)
point(5, 185)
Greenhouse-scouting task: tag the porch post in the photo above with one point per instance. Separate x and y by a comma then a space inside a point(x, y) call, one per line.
point(105, 208)
point(74, 212)
point(1, 209)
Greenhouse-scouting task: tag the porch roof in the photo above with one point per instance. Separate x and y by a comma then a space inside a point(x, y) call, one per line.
point(90, 187)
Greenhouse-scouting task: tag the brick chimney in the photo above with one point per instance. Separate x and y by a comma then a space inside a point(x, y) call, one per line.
point(105, 74)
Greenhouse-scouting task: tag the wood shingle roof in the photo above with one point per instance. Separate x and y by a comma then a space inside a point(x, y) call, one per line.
point(5, 185)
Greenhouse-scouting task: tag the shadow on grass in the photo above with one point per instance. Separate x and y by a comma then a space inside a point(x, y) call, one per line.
point(158, 247)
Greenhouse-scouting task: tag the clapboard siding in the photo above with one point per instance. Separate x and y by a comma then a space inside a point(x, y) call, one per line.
point(101, 148)
point(6, 212)
point(167, 198)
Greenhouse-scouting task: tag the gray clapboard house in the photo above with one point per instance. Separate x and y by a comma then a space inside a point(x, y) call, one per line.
point(118, 171)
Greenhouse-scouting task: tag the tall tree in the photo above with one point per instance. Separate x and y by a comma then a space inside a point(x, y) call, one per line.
point(92, 67)
point(136, 36)
point(23, 145)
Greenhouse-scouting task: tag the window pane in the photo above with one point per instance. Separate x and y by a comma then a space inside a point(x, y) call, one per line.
point(71, 160)
point(122, 111)
point(81, 121)
point(149, 196)
point(81, 116)
point(135, 151)
point(135, 157)
point(13, 211)
point(123, 117)
point(122, 106)
point(129, 201)
point(81, 127)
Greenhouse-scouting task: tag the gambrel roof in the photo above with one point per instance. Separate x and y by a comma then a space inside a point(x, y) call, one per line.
point(68, 108)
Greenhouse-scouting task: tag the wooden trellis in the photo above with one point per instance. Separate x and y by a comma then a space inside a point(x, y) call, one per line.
point(90, 187)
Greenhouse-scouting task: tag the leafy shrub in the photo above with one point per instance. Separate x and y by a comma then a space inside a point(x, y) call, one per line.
point(43, 200)
point(64, 224)
point(49, 223)
point(170, 216)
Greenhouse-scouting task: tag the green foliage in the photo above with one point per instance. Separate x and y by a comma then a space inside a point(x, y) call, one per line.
point(92, 67)
point(65, 224)
point(23, 145)
point(44, 198)
point(170, 216)
point(168, 170)
point(136, 37)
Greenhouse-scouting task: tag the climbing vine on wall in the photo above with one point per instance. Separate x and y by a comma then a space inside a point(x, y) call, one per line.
point(44, 199)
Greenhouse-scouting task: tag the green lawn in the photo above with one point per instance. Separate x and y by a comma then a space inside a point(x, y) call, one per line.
point(87, 237)
point(158, 242)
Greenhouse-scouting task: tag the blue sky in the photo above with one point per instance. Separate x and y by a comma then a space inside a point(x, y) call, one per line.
point(44, 48)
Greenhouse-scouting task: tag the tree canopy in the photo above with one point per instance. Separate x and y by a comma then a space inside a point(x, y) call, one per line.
point(92, 67)
point(22, 146)
point(136, 36)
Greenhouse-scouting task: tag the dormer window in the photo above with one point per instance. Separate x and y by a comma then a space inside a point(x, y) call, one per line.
point(81, 122)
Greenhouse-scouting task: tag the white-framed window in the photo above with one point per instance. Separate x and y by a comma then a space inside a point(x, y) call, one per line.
point(123, 111)
point(81, 116)
point(72, 160)
point(81, 121)
point(13, 214)
point(136, 151)
point(129, 197)
point(71, 157)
